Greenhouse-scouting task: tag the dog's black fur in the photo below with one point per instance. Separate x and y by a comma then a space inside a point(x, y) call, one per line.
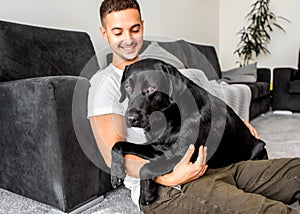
point(175, 112)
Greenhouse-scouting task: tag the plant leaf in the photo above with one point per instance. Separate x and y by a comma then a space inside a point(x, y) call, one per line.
point(256, 36)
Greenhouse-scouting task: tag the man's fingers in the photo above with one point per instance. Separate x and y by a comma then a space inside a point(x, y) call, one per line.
point(201, 159)
point(251, 128)
point(203, 170)
point(186, 158)
point(204, 155)
point(255, 134)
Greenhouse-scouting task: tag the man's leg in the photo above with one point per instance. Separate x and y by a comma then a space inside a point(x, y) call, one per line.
point(217, 191)
point(277, 179)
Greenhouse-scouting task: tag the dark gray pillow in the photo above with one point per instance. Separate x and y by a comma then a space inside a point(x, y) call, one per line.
point(243, 74)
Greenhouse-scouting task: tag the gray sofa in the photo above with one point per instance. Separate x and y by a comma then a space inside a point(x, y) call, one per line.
point(47, 148)
point(45, 137)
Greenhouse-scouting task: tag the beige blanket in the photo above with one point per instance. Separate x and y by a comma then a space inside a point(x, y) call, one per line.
point(237, 96)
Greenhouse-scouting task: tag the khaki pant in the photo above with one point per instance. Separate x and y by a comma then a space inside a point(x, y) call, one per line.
point(246, 187)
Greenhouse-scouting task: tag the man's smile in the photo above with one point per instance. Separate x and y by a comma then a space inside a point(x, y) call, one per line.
point(128, 48)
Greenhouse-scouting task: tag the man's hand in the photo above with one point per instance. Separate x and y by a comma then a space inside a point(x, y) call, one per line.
point(186, 171)
point(251, 129)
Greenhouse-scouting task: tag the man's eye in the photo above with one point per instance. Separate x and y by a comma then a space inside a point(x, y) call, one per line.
point(117, 32)
point(136, 30)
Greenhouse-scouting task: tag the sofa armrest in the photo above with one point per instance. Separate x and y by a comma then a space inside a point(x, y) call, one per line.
point(282, 98)
point(40, 155)
point(281, 79)
point(263, 75)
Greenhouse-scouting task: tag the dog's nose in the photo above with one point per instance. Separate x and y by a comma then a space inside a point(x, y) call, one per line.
point(134, 118)
point(131, 120)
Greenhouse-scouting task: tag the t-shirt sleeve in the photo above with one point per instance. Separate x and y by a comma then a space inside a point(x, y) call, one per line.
point(104, 95)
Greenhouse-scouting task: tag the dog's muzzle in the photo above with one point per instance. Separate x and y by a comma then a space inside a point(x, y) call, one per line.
point(136, 119)
point(132, 121)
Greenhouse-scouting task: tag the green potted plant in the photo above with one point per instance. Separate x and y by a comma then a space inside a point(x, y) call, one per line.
point(256, 36)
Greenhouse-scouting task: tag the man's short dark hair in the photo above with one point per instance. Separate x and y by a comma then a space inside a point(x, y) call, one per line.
point(109, 6)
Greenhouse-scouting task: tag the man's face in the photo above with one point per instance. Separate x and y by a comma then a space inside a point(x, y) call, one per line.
point(123, 30)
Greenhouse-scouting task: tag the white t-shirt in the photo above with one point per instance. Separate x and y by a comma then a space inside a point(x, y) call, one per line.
point(103, 98)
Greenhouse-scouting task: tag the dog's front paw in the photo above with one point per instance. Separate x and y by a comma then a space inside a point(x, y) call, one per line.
point(146, 199)
point(148, 191)
point(117, 175)
point(116, 181)
point(117, 166)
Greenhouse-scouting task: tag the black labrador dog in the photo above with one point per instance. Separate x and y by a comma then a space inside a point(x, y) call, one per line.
point(174, 113)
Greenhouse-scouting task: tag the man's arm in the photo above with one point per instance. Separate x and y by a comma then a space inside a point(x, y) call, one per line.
point(186, 171)
point(109, 129)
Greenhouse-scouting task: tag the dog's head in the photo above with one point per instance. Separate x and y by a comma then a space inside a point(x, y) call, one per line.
point(149, 85)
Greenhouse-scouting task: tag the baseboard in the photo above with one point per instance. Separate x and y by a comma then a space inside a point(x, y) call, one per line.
point(283, 112)
point(82, 208)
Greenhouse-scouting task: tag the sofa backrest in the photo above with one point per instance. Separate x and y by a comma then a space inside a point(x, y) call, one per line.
point(210, 53)
point(29, 51)
point(197, 56)
point(203, 57)
point(299, 60)
point(296, 74)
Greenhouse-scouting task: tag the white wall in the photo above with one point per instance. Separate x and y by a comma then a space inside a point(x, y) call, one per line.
point(63, 14)
point(172, 18)
point(213, 22)
point(284, 47)
point(193, 20)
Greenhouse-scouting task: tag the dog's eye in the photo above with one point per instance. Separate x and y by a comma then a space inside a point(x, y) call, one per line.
point(128, 88)
point(151, 89)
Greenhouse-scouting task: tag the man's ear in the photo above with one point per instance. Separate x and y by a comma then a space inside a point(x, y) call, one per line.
point(142, 21)
point(123, 93)
point(103, 33)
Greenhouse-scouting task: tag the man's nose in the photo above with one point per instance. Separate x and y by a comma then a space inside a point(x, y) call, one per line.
point(128, 38)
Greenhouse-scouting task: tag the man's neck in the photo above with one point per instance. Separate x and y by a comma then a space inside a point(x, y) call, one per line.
point(121, 63)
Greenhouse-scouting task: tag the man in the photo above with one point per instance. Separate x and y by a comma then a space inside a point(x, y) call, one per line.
point(219, 190)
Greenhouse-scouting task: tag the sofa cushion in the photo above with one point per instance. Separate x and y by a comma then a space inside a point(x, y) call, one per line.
point(294, 87)
point(28, 51)
point(259, 89)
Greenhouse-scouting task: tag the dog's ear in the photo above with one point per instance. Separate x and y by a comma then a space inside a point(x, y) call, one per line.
point(122, 88)
point(123, 94)
point(176, 81)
